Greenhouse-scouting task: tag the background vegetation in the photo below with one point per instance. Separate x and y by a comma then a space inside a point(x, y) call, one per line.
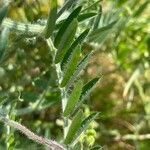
point(122, 56)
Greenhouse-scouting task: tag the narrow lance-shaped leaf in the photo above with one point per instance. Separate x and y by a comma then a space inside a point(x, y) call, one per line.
point(78, 41)
point(73, 99)
point(50, 26)
point(71, 66)
point(66, 40)
point(91, 6)
point(141, 9)
point(84, 125)
point(97, 148)
point(66, 6)
point(85, 16)
point(77, 146)
point(3, 12)
point(65, 24)
point(97, 19)
point(82, 64)
point(80, 18)
point(74, 127)
point(87, 88)
point(96, 33)
point(3, 42)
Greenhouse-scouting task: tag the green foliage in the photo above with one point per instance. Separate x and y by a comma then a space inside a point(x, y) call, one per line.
point(103, 31)
point(3, 42)
point(81, 65)
point(65, 25)
point(47, 51)
point(66, 41)
point(73, 99)
point(3, 12)
point(78, 41)
point(84, 125)
point(50, 26)
point(74, 127)
point(71, 66)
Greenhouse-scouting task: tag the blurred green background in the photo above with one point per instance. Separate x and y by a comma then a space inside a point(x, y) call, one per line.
point(122, 57)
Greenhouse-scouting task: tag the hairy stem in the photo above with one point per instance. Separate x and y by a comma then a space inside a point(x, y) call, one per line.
point(62, 90)
point(41, 140)
point(33, 29)
point(133, 137)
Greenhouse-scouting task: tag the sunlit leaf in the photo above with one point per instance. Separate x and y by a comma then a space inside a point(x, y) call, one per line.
point(82, 64)
point(73, 99)
point(66, 6)
point(50, 26)
point(85, 16)
point(86, 90)
point(71, 66)
point(88, 87)
point(78, 41)
point(3, 12)
point(65, 25)
point(97, 19)
point(84, 125)
point(74, 127)
point(66, 40)
point(3, 42)
point(98, 32)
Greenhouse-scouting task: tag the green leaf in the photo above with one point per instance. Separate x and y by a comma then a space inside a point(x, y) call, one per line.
point(73, 99)
point(66, 40)
point(88, 87)
point(66, 6)
point(91, 6)
point(78, 146)
point(84, 125)
point(82, 64)
point(141, 8)
point(65, 24)
point(74, 127)
point(96, 148)
point(85, 16)
point(71, 66)
point(3, 13)
point(78, 41)
point(97, 33)
point(3, 42)
point(98, 18)
point(50, 26)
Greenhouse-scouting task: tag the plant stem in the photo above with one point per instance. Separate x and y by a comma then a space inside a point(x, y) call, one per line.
point(133, 137)
point(44, 141)
point(33, 29)
point(62, 90)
